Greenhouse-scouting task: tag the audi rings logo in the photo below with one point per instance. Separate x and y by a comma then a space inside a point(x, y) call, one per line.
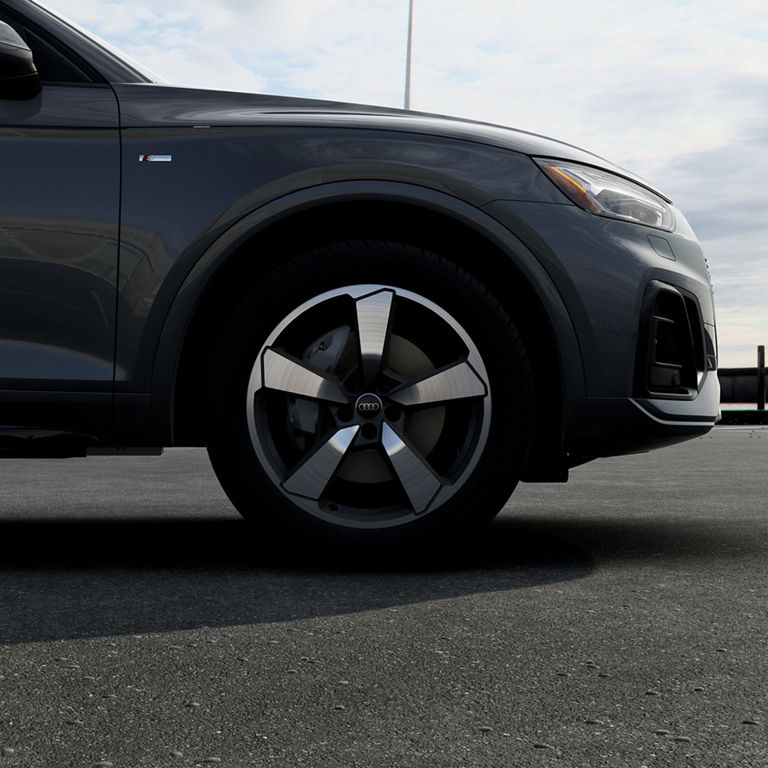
point(368, 405)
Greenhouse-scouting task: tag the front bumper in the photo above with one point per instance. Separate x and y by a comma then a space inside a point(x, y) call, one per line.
point(640, 301)
point(621, 425)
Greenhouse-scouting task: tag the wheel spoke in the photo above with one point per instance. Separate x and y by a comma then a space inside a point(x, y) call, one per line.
point(287, 374)
point(313, 475)
point(373, 319)
point(457, 382)
point(419, 481)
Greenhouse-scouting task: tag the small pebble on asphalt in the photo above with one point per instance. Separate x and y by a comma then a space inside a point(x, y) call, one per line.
point(542, 746)
point(681, 739)
point(485, 729)
point(7, 751)
point(750, 722)
point(651, 693)
point(661, 732)
point(177, 755)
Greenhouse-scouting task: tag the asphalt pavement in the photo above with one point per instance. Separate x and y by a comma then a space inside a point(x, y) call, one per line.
point(617, 620)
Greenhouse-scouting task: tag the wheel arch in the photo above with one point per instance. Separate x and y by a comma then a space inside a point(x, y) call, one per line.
point(381, 211)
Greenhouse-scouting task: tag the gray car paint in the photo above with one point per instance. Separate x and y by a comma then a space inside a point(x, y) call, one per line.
point(59, 237)
point(240, 161)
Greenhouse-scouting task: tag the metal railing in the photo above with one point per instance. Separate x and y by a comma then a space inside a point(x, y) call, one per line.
point(744, 385)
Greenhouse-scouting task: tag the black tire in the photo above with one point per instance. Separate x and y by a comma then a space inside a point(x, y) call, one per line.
point(417, 426)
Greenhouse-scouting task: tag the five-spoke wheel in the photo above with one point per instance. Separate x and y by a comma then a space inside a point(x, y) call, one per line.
point(370, 407)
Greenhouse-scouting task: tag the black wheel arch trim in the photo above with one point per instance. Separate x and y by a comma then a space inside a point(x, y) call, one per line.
point(186, 300)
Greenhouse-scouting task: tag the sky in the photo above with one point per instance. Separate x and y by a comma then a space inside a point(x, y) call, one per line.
point(674, 90)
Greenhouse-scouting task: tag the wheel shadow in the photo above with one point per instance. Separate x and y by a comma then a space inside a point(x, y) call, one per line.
point(90, 578)
point(65, 580)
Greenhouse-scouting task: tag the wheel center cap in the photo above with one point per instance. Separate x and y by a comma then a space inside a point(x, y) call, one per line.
point(368, 405)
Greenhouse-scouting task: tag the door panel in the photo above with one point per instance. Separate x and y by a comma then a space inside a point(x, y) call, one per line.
point(59, 205)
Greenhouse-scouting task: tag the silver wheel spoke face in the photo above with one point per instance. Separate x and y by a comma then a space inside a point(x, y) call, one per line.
point(373, 315)
point(418, 480)
point(368, 406)
point(312, 477)
point(454, 383)
point(286, 375)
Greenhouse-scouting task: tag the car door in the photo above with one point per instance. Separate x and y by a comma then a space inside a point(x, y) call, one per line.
point(59, 209)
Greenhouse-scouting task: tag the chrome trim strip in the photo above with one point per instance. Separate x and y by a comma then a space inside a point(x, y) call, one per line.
point(671, 423)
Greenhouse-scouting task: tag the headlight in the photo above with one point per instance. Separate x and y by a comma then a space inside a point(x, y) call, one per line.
point(606, 194)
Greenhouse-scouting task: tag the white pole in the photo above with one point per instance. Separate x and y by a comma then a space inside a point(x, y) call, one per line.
point(407, 99)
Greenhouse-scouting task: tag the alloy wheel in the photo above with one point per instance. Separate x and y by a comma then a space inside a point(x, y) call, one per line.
point(368, 406)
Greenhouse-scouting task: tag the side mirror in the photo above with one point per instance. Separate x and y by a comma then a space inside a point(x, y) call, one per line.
point(18, 76)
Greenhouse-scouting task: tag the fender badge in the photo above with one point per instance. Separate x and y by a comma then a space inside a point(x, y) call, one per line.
point(155, 158)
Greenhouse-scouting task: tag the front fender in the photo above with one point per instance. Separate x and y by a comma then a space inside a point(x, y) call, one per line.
point(191, 291)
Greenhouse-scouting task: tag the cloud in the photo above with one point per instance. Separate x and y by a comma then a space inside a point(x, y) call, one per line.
point(671, 89)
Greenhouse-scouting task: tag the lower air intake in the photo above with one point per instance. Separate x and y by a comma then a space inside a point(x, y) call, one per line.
point(671, 358)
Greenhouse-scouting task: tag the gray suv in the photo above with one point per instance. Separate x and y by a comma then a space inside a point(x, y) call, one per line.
point(378, 322)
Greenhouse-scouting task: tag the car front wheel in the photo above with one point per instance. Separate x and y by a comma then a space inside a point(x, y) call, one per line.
point(380, 409)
